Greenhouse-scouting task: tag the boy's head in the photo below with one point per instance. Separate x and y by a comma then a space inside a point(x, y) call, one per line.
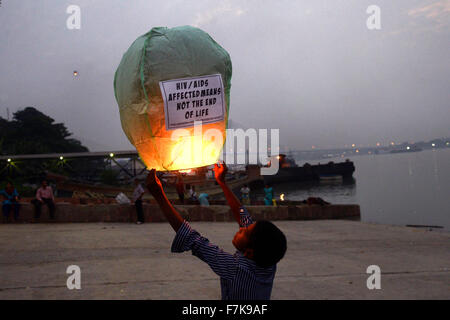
point(262, 242)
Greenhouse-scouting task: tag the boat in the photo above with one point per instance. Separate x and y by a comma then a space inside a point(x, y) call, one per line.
point(290, 171)
point(330, 177)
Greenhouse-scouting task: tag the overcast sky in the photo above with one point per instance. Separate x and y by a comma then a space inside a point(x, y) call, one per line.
point(310, 68)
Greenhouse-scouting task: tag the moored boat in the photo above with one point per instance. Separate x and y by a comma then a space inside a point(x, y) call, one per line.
point(290, 171)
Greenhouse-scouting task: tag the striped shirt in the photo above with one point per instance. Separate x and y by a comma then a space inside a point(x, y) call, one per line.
point(240, 277)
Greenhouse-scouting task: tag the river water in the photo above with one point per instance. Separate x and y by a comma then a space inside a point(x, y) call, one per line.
point(398, 189)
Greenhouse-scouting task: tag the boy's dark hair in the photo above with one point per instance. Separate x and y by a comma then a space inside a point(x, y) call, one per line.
point(268, 243)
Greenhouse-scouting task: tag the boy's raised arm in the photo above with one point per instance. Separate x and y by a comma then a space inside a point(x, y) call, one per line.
point(234, 203)
point(154, 186)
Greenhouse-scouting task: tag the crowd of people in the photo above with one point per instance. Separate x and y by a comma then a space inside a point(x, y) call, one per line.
point(45, 197)
point(188, 195)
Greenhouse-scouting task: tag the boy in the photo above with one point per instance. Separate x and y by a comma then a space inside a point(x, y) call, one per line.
point(249, 273)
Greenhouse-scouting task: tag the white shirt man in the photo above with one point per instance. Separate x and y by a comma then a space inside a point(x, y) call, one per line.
point(137, 198)
point(138, 192)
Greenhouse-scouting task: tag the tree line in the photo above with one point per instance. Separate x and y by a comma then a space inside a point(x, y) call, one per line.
point(32, 132)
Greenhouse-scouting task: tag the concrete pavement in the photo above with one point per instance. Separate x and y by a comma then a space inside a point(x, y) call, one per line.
point(325, 260)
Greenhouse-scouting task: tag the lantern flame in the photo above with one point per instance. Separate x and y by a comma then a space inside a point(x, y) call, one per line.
point(197, 150)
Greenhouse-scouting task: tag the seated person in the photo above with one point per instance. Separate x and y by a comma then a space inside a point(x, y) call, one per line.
point(10, 202)
point(249, 273)
point(44, 195)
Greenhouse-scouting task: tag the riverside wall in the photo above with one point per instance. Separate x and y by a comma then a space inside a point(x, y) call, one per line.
point(92, 212)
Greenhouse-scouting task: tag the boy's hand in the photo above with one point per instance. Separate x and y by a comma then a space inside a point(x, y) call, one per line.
point(153, 183)
point(220, 170)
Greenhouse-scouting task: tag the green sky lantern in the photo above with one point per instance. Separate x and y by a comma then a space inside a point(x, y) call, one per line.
point(169, 81)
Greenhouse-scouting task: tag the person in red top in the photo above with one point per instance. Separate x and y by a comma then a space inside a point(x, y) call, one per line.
point(44, 195)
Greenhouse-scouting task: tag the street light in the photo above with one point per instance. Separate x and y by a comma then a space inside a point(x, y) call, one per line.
point(61, 158)
point(111, 155)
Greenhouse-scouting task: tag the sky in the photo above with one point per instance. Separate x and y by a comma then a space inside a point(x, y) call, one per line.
point(311, 68)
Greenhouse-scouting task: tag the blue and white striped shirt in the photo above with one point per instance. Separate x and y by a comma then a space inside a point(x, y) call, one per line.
point(240, 277)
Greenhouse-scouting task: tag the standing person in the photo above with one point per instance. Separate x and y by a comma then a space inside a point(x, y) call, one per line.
point(44, 195)
point(180, 188)
point(11, 201)
point(268, 195)
point(245, 195)
point(203, 199)
point(137, 198)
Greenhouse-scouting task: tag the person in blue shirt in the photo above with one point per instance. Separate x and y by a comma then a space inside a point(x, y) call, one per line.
point(203, 199)
point(249, 273)
point(268, 195)
point(10, 202)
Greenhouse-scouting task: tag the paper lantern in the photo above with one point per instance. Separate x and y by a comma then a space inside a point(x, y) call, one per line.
point(167, 81)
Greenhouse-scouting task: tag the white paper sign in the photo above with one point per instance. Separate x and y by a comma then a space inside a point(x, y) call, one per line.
point(193, 99)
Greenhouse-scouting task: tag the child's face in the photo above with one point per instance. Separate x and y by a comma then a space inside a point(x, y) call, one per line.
point(242, 238)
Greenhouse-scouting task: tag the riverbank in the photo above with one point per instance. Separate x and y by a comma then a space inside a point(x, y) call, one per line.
point(325, 260)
